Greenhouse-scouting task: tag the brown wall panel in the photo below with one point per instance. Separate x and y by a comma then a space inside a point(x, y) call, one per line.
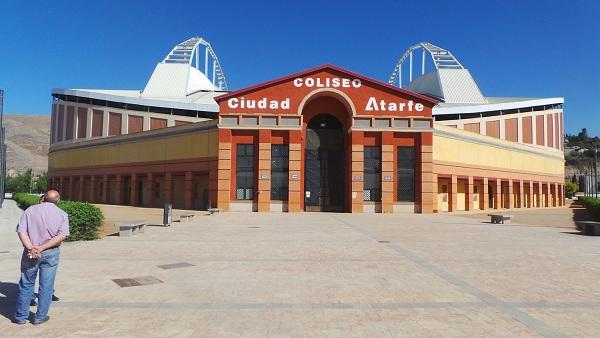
point(61, 122)
point(70, 126)
point(114, 124)
point(539, 130)
point(97, 123)
point(135, 124)
point(557, 132)
point(181, 123)
point(157, 123)
point(511, 130)
point(549, 132)
point(81, 122)
point(472, 127)
point(492, 128)
point(53, 124)
point(527, 131)
point(562, 131)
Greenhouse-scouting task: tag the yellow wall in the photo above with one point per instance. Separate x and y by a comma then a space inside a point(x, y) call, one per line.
point(501, 155)
point(155, 148)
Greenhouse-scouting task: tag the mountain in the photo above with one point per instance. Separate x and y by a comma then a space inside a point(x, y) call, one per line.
point(27, 140)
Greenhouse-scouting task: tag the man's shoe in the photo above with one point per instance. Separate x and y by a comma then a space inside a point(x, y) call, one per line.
point(55, 299)
point(33, 303)
point(19, 322)
point(41, 321)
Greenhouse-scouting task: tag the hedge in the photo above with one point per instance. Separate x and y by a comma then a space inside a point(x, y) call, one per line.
point(85, 219)
point(592, 204)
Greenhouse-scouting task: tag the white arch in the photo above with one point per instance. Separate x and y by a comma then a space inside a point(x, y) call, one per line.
point(346, 101)
point(189, 51)
point(442, 59)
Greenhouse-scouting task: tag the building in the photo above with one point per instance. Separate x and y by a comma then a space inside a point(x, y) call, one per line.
point(323, 139)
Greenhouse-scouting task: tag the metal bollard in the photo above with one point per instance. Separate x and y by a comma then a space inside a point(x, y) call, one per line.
point(167, 214)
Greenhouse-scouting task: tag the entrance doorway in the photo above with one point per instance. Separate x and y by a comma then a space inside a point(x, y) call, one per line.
point(324, 165)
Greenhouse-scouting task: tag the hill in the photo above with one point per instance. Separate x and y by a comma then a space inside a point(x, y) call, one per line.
point(27, 140)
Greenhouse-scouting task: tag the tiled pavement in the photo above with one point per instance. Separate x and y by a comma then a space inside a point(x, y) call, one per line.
point(323, 275)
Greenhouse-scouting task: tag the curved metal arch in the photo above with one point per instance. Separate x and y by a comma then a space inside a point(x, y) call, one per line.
point(189, 51)
point(441, 58)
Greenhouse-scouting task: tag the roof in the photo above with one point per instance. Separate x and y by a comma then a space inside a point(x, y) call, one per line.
point(200, 101)
point(322, 68)
point(494, 104)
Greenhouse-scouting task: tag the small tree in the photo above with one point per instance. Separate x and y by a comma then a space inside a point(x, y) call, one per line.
point(19, 183)
point(41, 185)
point(570, 189)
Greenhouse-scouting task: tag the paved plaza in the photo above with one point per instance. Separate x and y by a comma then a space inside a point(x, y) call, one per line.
point(318, 275)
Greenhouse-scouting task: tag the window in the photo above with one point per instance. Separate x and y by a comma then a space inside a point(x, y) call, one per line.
point(406, 174)
point(244, 172)
point(372, 183)
point(279, 171)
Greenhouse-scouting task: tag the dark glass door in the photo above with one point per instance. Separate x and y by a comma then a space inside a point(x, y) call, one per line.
point(324, 168)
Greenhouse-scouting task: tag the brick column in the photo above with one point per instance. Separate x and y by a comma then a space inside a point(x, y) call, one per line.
point(357, 172)
point(93, 189)
point(264, 170)
point(530, 197)
point(295, 190)
point(428, 188)
point(80, 194)
point(119, 181)
point(387, 172)
point(435, 207)
point(168, 198)
point(498, 194)
point(105, 189)
point(486, 191)
point(132, 190)
point(187, 188)
point(224, 170)
point(453, 193)
point(539, 199)
point(555, 196)
point(511, 195)
point(470, 194)
point(70, 188)
point(562, 194)
point(149, 189)
point(520, 203)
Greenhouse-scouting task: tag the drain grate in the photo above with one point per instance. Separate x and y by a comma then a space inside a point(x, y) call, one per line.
point(137, 281)
point(253, 227)
point(383, 241)
point(175, 265)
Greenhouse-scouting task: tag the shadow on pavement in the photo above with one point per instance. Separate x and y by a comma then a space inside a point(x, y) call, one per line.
point(8, 299)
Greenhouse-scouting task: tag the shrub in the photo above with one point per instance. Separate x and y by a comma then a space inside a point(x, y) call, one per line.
point(592, 204)
point(570, 188)
point(24, 200)
point(85, 220)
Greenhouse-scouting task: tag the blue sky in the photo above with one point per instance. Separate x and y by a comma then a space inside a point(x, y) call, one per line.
point(512, 48)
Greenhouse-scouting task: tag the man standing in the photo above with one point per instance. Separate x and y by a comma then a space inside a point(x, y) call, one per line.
point(42, 228)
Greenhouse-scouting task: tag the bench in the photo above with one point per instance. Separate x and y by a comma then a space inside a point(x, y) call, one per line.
point(589, 228)
point(500, 218)
point(186, 217)
point(129, 228)
point(213, 211)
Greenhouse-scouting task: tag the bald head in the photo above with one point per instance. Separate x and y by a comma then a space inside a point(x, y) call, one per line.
point(52, 196)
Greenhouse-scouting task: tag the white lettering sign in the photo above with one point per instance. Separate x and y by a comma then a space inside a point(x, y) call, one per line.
point(263, 103)
point(381, 105)
point(328, 82)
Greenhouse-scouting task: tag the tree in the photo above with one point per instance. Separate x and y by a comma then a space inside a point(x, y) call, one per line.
point(570, 188)
point(41, 185)
point(20, 183)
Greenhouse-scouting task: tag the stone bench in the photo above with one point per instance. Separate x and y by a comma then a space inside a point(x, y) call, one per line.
point(500, 218)
point(129, 228)
point(213, 211)
point(589, 228)
point(186, 217)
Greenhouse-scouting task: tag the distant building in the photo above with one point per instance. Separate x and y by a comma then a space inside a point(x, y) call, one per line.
point(323, 139)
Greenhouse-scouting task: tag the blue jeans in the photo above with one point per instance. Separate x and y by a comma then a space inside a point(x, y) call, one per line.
point(46, 265)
